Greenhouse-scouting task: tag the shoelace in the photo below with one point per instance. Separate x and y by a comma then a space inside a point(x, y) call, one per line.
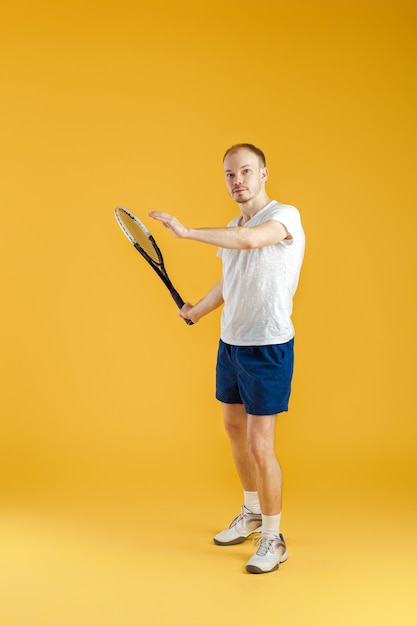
point(240, 519)
point(263, 543)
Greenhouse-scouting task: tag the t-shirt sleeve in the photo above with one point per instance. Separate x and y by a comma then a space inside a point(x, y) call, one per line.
point(290, 218)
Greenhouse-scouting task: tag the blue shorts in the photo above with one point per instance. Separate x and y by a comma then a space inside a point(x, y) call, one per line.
point(259, 377)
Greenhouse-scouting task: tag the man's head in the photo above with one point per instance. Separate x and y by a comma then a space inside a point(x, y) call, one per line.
point(251, 148)
point(246, 173)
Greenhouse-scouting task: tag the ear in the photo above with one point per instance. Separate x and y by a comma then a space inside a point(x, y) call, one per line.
point(264, 174)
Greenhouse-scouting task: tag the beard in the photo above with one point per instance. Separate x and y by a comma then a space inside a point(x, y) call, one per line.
point(248, 194)
point(242, 197)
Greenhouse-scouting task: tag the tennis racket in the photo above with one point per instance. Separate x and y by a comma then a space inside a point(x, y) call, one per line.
point(142, 240)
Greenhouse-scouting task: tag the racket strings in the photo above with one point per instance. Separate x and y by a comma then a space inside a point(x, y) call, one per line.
point(146, 243)
point(141, 237)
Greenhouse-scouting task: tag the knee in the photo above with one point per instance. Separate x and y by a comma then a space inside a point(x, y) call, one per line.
point(235, 421)
point(235, 430)
point(260, 450)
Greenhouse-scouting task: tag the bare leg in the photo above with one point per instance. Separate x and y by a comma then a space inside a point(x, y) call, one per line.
point(235, 422)
point(252, 442)
point(261, 439)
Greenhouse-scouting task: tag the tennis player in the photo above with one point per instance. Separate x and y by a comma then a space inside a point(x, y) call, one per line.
point(262, 251)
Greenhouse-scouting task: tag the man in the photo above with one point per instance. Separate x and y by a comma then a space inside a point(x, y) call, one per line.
point(262, 251)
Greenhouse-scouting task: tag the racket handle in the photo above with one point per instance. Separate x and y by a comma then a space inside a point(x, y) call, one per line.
point(180, 303)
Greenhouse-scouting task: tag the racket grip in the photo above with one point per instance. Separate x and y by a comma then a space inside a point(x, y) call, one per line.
point(180, 303)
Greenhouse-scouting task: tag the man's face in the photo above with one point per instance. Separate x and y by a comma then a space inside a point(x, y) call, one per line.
point(245, 178)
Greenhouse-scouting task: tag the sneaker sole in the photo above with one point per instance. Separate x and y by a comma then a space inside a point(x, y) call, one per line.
point(253, 569)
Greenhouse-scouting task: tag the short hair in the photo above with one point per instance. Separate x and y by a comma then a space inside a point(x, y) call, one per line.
point(247, 146)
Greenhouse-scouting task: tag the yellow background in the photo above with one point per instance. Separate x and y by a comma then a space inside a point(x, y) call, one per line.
point(115, 470)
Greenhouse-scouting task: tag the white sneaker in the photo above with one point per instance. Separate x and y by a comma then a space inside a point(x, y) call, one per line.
point(270, 553)
point(244, 525)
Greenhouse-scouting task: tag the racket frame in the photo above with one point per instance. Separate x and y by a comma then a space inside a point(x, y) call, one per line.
point(158, 267)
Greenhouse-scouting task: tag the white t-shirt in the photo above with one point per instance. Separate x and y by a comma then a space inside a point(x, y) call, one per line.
point(259, 284)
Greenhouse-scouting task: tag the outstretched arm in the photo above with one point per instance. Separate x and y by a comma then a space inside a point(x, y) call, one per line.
point(236, 237)
point(212, 300)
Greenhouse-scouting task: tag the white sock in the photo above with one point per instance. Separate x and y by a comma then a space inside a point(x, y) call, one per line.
point(252, 501)
point(271, 524)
